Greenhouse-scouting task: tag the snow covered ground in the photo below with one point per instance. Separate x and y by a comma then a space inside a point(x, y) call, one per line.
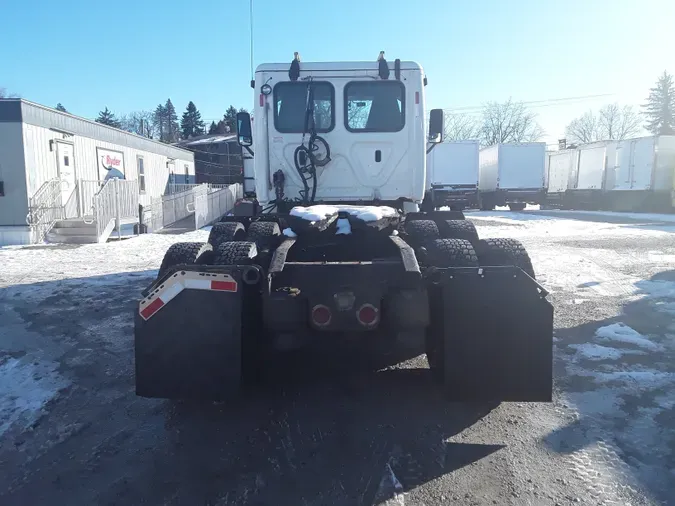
point(68, 413)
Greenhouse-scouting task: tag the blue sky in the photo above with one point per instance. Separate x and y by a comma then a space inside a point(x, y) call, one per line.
point(131, 55)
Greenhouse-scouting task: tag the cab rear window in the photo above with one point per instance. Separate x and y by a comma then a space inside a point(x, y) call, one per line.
point(290, 105)
point(374, 106)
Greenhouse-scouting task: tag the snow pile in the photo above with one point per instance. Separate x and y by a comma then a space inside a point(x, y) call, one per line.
point(343, 227)
point(624, 334)
point(364, 213)
point(25, 388)
point(288, 232)
point(596, 352)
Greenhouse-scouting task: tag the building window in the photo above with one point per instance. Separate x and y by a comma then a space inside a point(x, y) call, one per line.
point(141, 174)
point(290, 104)
point(374, 106)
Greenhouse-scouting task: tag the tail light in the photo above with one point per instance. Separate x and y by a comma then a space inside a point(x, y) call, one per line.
point(321, 315)
point(368, 315)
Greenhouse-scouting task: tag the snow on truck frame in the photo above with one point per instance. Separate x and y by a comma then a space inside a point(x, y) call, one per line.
point(333, 245)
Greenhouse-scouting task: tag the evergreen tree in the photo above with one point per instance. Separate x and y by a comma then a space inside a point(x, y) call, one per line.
point(159, 121)
point(230, 119)
point(60, 107)
point(660, 107)
point(213, 129)
point(191, 123)
point(106, 117)
point(172, 129)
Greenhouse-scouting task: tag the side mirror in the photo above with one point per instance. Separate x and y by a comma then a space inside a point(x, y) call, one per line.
point(436, 125)
point(244, 135)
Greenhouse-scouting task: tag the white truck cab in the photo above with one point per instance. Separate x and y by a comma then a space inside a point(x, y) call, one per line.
point(338, 132)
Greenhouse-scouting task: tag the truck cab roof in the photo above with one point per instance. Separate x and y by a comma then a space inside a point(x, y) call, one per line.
point(335, 66)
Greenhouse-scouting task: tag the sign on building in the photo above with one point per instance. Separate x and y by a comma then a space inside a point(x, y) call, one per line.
point(110, 163)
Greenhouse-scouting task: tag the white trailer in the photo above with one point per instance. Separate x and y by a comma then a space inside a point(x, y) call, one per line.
point(642, 175)
point(452, 175)
point(512, 174)
point(560, 165)
point(590, 175)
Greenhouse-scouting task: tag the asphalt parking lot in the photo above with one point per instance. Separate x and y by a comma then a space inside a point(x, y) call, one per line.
point(347, 427)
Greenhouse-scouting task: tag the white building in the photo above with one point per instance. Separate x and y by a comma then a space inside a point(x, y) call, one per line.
point(42, 149)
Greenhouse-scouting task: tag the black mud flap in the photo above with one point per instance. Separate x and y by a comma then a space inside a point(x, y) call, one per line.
point(188, 336)
point(497, 329)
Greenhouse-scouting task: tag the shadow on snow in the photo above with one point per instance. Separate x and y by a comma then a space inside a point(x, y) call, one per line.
point(322, 429)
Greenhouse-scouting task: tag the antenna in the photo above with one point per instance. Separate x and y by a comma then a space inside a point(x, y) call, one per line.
point(251, 20)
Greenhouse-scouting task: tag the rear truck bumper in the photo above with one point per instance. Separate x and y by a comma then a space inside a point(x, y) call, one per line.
point(464, 196)
point(584, 199)
point(495, 324)
point(503, 197)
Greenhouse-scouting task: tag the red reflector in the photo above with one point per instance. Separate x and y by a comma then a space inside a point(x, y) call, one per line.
point(225, 286)
point(367, 314)
point(152, 308)
point(262, 100)
point(417, 97)
point(321, 315)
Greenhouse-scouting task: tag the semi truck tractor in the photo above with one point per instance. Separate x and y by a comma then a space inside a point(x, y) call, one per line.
point(333, 246)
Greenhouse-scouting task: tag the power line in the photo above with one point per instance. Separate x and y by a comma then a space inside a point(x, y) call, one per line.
point(533, 103)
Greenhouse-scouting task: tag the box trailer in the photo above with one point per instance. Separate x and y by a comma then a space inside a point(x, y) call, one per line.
point(560, 164)
point(452, 175)
point(591, 175)
point(643, 174)
point(512, 174)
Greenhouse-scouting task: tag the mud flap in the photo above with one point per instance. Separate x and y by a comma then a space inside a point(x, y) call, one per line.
point(497, 329)
point(188, 337)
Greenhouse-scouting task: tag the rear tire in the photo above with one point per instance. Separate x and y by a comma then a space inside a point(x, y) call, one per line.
point(459, 229)
point(226, 231)
point(443, 253)
point(265, 234)
point(236, 253)
point(188, 253)
point(504, 252)
point(451, 253)
point(421, 232)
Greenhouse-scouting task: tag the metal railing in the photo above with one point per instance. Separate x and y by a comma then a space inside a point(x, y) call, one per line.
point(44, 209)
point(173, 188)
point(177, 206)
point(87, 189)
point(115, 202)
point(71, 209)
point(214, 204)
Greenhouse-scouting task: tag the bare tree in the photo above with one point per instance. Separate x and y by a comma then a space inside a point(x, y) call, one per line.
point(139, 122)
point(460, 127)
point(583, 129)
point(612, 122)
point(618, 122)
point(508, 122)
point(5, 94)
